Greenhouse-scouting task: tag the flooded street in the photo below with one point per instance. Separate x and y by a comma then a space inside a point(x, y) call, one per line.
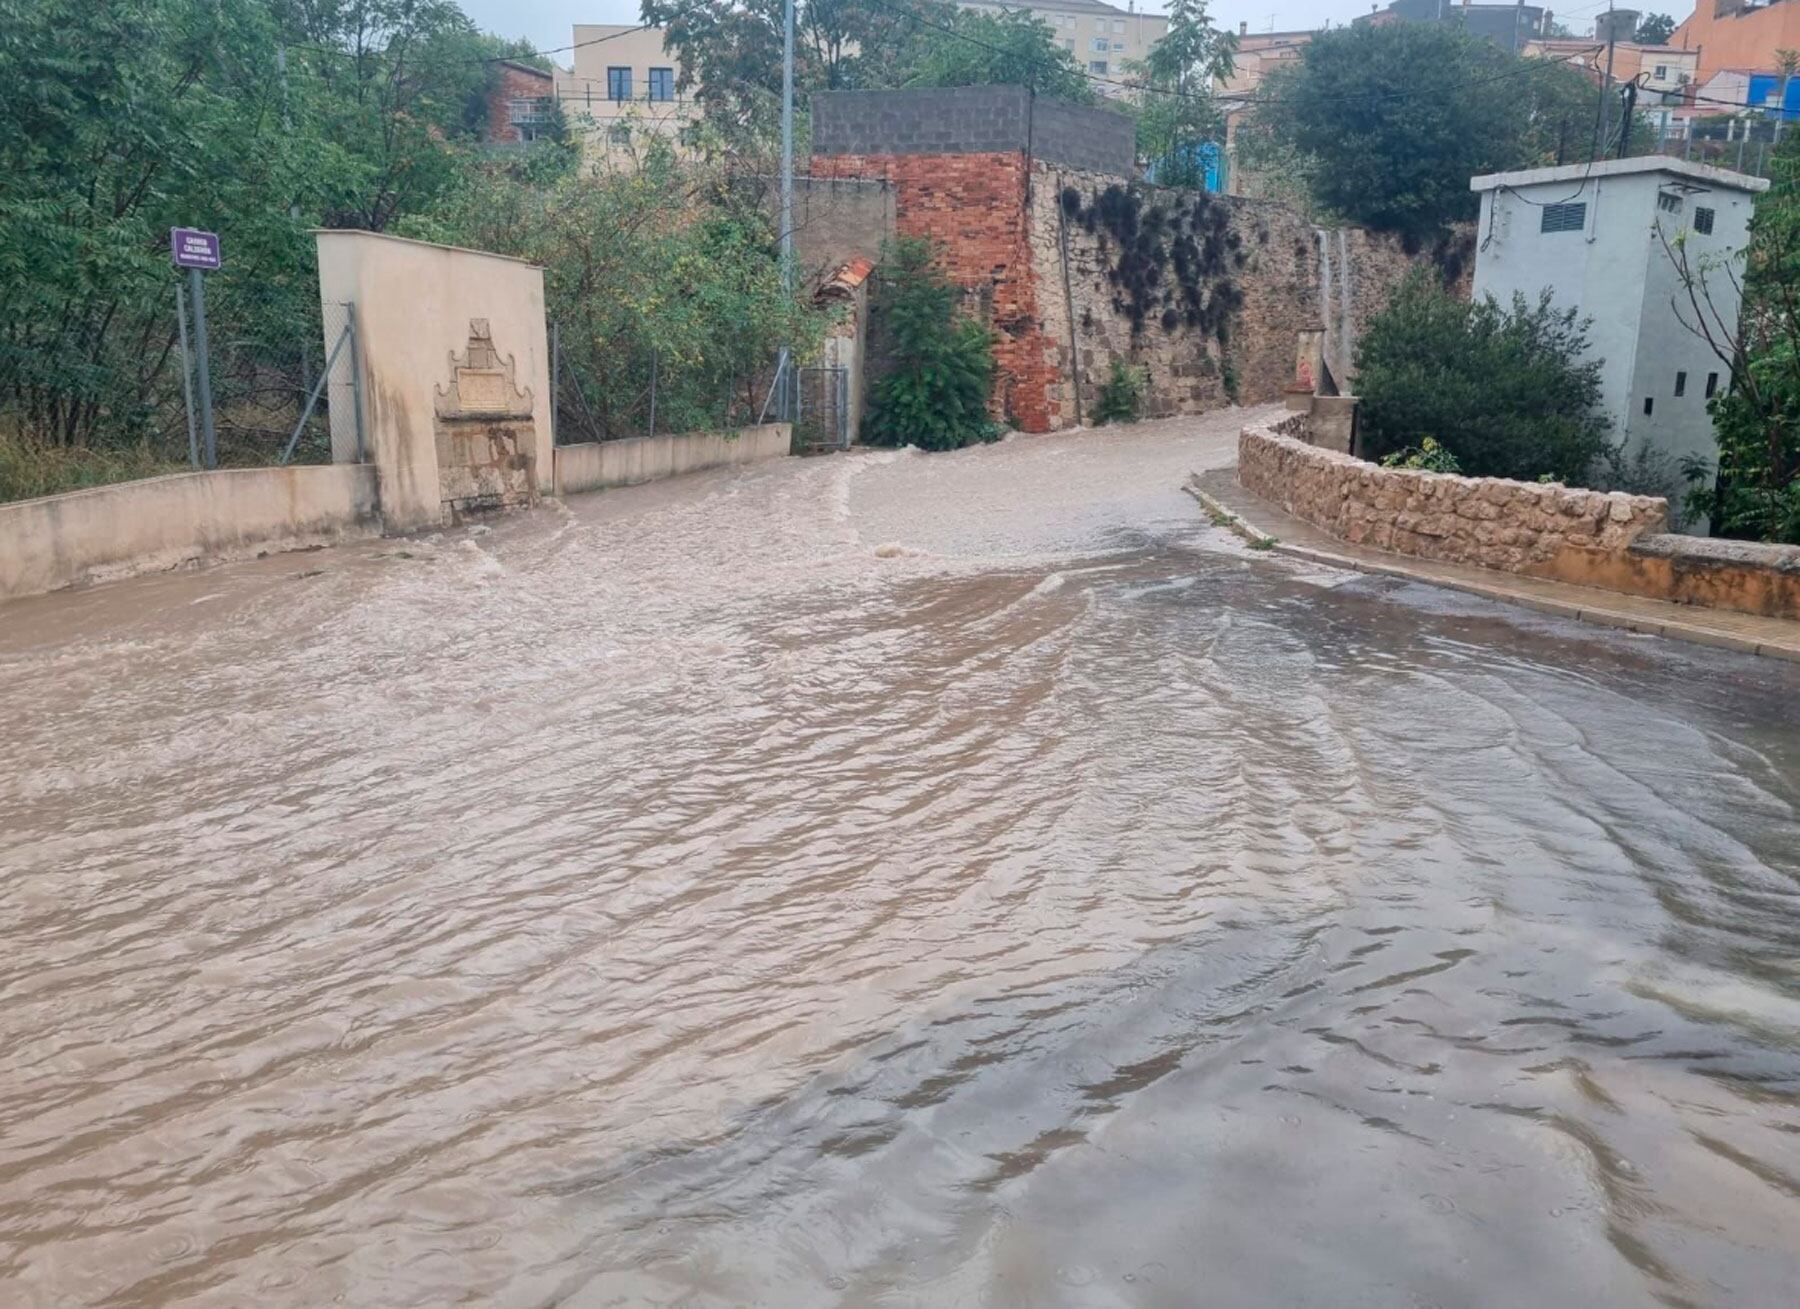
point(888, 880)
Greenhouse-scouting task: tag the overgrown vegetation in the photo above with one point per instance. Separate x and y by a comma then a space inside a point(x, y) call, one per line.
point(128, 117)
point(1386, 124)
point(1506, 392)
point(29, 469)
point(941, 361)
point(671, 266)
point(1121, 396)
point(1177, 118)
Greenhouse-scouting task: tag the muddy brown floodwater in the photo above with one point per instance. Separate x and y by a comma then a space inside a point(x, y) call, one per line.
point(887, 880)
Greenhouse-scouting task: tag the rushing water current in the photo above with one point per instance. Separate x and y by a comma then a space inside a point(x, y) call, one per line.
point(887, 880)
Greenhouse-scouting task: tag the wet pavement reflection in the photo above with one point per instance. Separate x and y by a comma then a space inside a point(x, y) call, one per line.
point(887, 880)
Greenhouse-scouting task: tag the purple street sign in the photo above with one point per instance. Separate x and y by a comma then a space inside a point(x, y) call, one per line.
point(193, 248)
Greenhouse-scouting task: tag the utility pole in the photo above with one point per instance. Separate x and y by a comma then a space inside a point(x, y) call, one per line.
point(787, 184)
point(1599, 148)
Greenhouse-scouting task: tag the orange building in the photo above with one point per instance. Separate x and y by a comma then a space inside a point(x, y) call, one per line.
point(1734, 34)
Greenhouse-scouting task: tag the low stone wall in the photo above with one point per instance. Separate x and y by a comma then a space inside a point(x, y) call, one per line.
point(597, 464)
point(159, 523)
point(1607, 540)
point(1487, 521)
point(1747, 576)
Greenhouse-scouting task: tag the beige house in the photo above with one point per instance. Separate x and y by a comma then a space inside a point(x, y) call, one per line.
point(1106, 39)
point(623, 84)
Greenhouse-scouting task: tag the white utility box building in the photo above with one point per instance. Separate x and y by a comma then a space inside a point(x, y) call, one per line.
point(1599, 236)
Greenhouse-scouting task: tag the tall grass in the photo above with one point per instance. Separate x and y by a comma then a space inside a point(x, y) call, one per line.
point(28, 470)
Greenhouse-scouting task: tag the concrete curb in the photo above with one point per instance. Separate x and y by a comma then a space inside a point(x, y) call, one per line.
point(1597, 615)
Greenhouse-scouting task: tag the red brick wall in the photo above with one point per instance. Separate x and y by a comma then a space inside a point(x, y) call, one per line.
point(974, 207)
point(513, 84)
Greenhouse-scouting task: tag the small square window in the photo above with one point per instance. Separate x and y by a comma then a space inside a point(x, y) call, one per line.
point(1680, 384)
point(1703, 220)
point(1712, 385)
point(1564, 217)
point(1649, 404)
point(1118, 45)
point(1097, 66)
point(1662, 72)
point(1668, 202)
point(1102, 44)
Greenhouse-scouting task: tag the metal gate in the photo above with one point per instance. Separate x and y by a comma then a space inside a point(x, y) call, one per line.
point(822, 409)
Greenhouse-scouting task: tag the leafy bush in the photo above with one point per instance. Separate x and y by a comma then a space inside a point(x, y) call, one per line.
point(1121, 395)
point(1646, 470)
point(1428, 456)
point(1507, 392)
point(666, 269)
point(935, 394)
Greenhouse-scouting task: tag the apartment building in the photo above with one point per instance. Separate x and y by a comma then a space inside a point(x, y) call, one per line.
point(1727, 34)
point(622, 84)
point(1106, 39)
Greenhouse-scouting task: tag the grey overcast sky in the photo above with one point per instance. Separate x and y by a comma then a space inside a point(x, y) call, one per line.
point(546, 23)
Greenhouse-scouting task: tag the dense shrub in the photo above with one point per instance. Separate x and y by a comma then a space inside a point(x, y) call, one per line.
point(941, 361)
point(1121, 395)
point(1428, 456)
point(1506, 391)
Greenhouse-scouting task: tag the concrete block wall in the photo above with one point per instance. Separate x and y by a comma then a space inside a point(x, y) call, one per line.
point(972, 120)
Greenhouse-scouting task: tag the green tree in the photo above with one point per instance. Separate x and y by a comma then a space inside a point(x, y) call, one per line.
point(730, 54)
point(941, 362)
point(128, 117)
point(1011, 48)
point(666, 266)
point(1176, 112)
point(1655, 29)
point(1394, 120)
point(1508, 392)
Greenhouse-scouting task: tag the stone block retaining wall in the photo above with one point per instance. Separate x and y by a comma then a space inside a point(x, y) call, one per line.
point(1520, 527)
point(1610, 541)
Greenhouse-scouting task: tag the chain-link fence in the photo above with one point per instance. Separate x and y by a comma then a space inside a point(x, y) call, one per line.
point(1744, 146)
point(626, 390)
point(99, 386)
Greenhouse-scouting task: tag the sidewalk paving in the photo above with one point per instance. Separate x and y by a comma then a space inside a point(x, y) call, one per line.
point(1258, 521)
